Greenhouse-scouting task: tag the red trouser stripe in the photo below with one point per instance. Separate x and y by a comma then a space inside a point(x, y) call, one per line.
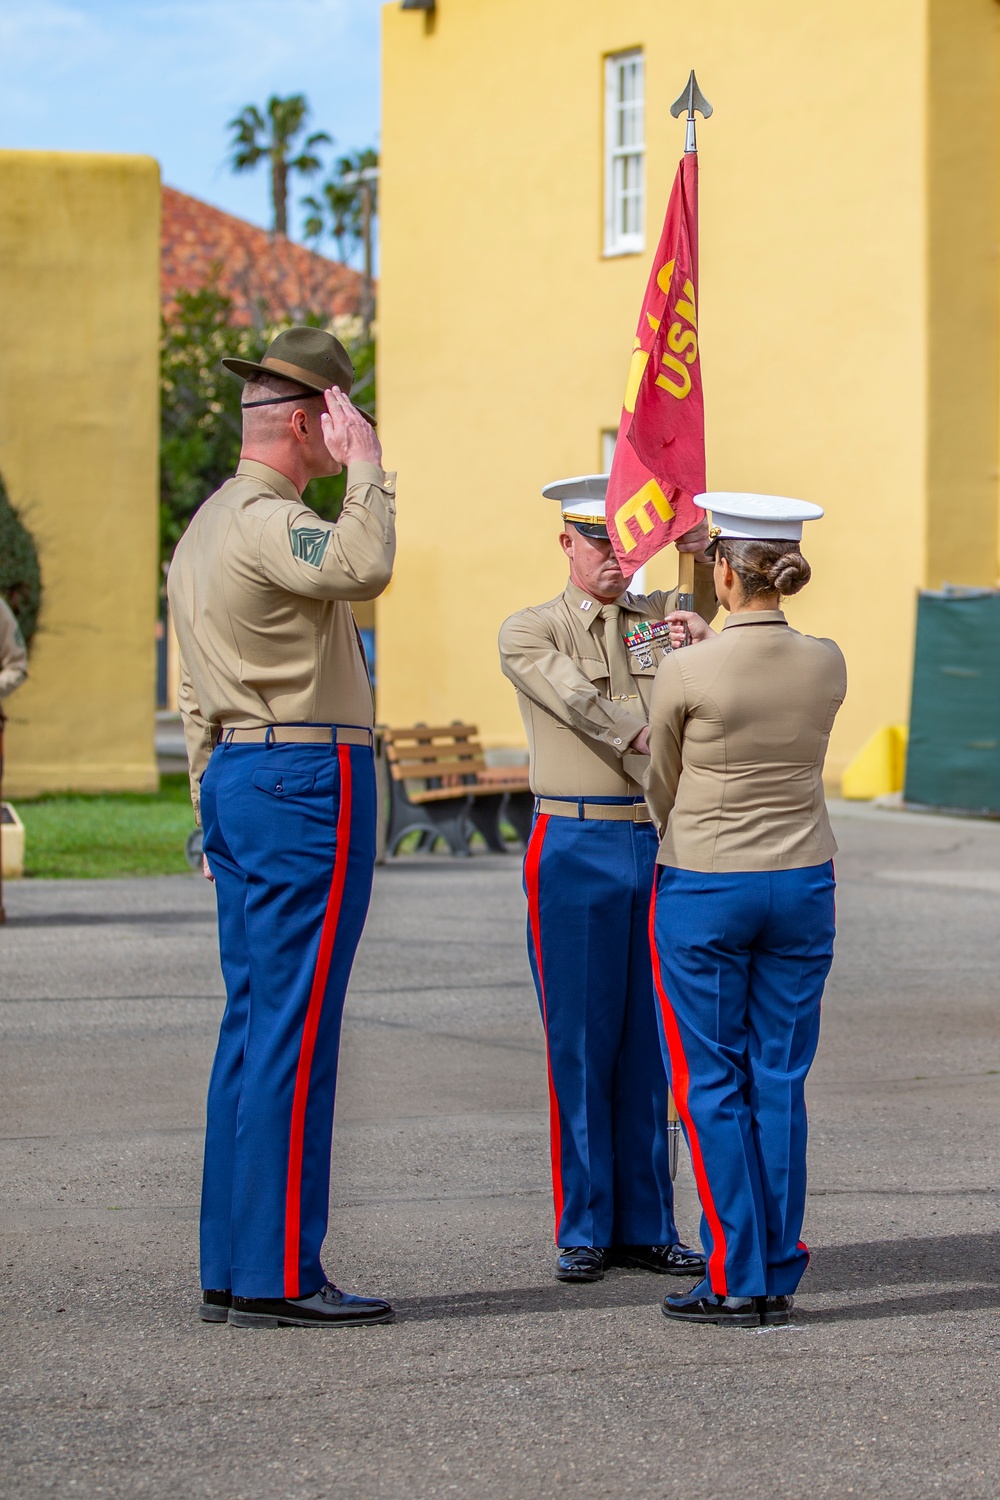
point(532, 861)
point(300, 1099)
point(679, 1084)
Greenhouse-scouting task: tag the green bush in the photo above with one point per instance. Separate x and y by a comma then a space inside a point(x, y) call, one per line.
point(20, 574)
point(201, 423)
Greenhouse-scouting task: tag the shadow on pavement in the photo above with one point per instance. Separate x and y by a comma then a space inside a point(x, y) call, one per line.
point(920, 1304)
point(878, 1263)
point(835, 1268)
point(109, 918)
point(621, 1289)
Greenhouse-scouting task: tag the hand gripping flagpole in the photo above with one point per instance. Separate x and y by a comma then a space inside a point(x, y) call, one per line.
point(691, 99)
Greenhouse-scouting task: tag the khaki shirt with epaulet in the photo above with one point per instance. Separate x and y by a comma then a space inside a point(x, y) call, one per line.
point(259, 591)
point(578, 734)
point(13, 655)
point(738, 730)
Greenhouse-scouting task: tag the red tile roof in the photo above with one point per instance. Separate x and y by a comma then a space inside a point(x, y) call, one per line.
point(268, 277)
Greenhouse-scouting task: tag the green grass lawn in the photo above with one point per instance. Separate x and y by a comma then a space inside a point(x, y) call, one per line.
point(77, 837)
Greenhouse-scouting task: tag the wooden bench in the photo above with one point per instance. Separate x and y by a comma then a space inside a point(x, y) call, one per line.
point(440, 784)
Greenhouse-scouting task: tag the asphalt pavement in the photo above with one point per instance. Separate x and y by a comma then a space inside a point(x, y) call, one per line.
point(495, 1381)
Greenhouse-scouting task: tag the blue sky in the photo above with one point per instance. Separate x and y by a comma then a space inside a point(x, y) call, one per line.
point(163, 77)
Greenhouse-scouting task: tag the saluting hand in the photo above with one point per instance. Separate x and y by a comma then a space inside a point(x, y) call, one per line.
point(696, 631)
point(348, 437)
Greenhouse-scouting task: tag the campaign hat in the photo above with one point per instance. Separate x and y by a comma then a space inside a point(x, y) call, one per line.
point(311, 356)
point(582, 502)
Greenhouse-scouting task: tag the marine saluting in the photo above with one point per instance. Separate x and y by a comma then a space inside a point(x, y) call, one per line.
point(278, 715)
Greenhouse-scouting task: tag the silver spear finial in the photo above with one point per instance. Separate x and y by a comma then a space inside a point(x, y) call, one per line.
point(691, 99)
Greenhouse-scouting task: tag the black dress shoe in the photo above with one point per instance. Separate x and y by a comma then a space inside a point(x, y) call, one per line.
point(666, 1260)
point(215, 1306)
point(580, 1263)
point(736, 1312)
point(327, 1308)
point(774, 1311)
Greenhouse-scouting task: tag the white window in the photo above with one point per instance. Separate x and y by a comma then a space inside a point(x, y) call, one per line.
point(624, 154)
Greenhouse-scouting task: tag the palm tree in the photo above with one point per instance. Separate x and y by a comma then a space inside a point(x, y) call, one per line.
point(350, 206)
point(335, 211)
point(255, 138)
point(358, 174)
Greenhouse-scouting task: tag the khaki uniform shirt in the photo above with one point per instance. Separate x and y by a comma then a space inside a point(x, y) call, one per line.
point(738, 732)
point(259, 589)
point(13, 655)
point(578, 735)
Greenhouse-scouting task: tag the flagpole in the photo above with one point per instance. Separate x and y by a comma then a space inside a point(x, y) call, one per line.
point(690, 99)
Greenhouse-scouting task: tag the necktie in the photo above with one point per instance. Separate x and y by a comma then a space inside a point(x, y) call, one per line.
point(617, 654)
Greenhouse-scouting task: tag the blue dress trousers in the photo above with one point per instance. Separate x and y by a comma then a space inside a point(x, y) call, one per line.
point(289, 831)
point(740, 961)
point(588, 885)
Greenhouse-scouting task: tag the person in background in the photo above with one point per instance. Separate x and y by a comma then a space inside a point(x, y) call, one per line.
point(742, 919)
point(13, 671)
point(13, 652)
point(584, 693)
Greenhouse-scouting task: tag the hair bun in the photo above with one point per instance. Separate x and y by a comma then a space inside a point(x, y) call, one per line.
point(765, 567)
point(789, 573)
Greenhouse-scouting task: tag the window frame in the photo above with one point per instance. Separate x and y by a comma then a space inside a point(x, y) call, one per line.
point(618, 154)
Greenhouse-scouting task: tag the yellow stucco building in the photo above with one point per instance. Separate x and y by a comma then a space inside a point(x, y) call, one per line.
point(79, 287)
point(850, 320)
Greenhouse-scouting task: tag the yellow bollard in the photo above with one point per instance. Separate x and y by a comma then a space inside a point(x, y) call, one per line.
point(879, 768)
point(11, 843)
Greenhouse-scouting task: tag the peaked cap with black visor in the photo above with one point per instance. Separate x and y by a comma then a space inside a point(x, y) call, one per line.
point(741, 516)
point(582, 502)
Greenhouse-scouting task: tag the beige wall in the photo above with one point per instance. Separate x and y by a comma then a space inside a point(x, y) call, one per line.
point(79, 286)
point(963, 218)
point(848, 307)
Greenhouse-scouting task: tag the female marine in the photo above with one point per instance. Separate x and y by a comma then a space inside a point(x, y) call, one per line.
point(742, 918)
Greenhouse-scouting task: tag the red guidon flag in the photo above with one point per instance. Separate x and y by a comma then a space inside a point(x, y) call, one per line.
point(659, 462)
